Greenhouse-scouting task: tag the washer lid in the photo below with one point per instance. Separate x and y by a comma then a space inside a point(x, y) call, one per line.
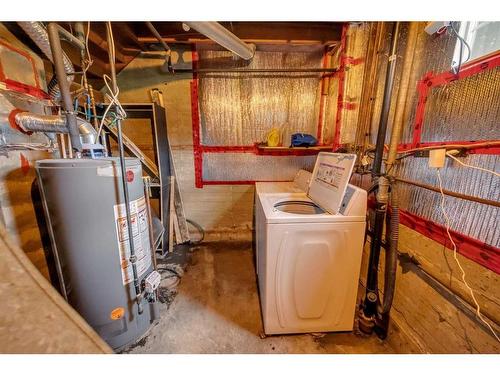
point(329, 179)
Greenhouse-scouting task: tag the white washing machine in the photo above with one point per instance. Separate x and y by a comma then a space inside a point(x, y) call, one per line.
point(309, 247)
point(283, 189)
point(299, 185)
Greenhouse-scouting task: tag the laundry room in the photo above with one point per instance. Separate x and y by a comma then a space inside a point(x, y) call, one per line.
point(249, 187)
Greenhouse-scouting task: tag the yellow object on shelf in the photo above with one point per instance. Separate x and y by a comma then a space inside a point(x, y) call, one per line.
point(273, 138)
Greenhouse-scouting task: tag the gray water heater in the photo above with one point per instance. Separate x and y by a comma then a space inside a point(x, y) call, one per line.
point(83, 203)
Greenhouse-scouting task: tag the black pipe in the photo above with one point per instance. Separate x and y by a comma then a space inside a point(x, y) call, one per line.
point(371, 297)
point(371, 301)
point(57, 54)
point(123, 170)
point(386, 104)
point(391, 264)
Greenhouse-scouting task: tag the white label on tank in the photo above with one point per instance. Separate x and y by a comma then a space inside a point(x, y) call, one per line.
point(140, 233)
point(115, 171)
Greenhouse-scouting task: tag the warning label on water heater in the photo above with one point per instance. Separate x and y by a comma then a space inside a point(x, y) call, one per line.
point(140, 235)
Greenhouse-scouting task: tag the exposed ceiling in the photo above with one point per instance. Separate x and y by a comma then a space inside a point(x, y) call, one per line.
point(132, 38)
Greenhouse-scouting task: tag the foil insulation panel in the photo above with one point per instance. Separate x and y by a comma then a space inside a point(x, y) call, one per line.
point(473, 219)
point(464, 110)
point(433, 53)
point(241, 108)
point(357, 45)
point(251, 167)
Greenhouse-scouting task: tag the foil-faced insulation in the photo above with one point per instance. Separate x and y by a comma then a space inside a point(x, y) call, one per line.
point(465, 110)
point(356, 48)
point(433, 53)
point(241, 108)
point(473, 219)
point(251, 167)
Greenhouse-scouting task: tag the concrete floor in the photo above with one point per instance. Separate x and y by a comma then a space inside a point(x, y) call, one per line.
point(216, 310)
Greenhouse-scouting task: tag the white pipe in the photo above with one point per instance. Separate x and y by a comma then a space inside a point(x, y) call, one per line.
point(225, 38)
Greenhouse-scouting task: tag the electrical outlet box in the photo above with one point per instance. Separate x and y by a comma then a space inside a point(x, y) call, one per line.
point(436, 26)
point(437, 158)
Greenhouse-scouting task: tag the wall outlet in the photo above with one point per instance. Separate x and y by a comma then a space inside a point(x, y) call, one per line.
point(437, 158)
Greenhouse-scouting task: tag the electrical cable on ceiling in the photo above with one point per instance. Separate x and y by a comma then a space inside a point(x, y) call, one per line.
point(447, 225)
point(472, 166)
point(88, 62)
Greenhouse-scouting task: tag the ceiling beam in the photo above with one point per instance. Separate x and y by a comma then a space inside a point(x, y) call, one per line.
point(151, 40)
point(100, 42)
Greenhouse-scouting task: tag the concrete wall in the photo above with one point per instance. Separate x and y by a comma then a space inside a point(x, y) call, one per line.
point(17, 174)
point(431, 304)
point(219, 209)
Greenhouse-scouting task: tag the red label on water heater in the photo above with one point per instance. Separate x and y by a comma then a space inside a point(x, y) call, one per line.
point(130, 176)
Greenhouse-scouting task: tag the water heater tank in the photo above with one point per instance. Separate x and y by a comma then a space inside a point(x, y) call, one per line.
point(83, 203)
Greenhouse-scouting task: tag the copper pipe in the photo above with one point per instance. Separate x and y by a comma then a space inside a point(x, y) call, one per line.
point(450, 193)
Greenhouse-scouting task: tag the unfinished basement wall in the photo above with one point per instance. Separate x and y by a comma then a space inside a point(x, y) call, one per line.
point(16, 166)
point(220, 210)
point(431, 303)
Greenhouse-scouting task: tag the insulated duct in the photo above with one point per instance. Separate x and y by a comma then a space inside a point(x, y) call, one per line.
point(54, 124)
point(38, 33)
point(225, 38)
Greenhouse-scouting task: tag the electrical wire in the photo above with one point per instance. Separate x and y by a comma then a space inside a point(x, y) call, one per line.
point(113, 97)
point(472, 166)
point(463, 43)
point(87, 62)
point(447, 225)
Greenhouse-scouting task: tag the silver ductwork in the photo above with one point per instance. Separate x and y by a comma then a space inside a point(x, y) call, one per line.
point(225, 38)
point(38, 33)
point(54, 124)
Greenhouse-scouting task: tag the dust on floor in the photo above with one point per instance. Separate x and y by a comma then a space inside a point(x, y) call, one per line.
point(216, 310)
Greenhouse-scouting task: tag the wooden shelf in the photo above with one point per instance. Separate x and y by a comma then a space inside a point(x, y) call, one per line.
point(281, 150)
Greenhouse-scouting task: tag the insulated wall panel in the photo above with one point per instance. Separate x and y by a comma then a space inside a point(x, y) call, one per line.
point(464, 110)
point(241, 108)
point(473, 219)
point(251, 167)
point(356, 47)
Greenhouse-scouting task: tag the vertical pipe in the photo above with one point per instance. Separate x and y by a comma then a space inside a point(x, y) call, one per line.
point(57, 54)
point(371, 300)
point(386, 104)
point(398, 124)
point(133, 257)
